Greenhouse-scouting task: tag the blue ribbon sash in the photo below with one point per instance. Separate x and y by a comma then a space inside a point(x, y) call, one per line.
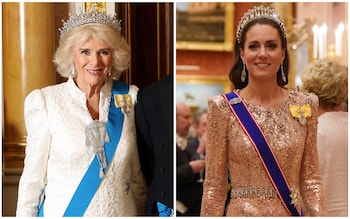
point(91, 180)
point(163, 210)
point(265, 152)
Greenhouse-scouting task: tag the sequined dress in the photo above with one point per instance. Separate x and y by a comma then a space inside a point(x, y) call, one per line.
point(230, 150)
point(59, 151)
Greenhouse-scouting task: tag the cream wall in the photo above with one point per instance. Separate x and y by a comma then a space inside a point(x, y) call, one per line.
point(330, 13)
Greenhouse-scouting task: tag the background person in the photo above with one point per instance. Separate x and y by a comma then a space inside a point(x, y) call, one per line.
point(196, 144)
point(154, 126)
point(188, 190)
point(329, 81)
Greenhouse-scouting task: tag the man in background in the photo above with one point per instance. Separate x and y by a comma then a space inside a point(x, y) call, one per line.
point(154, 127)
point(188, 190)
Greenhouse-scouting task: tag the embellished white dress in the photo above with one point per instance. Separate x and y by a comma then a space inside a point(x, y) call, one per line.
point(58, 155)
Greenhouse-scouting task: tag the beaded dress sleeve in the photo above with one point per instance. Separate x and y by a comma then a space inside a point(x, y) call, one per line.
point(32, 182)
point(311, 187)
point(216, 179)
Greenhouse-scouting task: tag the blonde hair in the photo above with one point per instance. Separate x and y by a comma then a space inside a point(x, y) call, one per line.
point(63, 57)
point(328, 80)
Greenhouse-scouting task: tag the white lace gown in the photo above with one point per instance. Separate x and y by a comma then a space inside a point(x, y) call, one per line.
point(57, 155)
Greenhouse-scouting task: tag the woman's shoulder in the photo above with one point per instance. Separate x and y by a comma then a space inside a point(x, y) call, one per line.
point(301, 97)
point(218, 101)
point(53, 87)
point(44, 91)
point(216, 98)
point(122, 85)
point(133, 88)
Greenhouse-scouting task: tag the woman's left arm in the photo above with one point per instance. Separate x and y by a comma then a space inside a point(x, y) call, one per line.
point(139, 185)
point(311, 183)
point(138, 181)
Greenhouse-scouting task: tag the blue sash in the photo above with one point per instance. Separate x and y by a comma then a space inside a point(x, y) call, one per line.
point(91, 180)
point(163, 210)
point(265, 153)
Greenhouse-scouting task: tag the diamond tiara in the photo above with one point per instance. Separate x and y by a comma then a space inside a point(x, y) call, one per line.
point(256, 13)
point(90, 17)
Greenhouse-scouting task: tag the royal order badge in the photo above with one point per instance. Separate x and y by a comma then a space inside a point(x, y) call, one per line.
point(301, 112)
point(123, 101)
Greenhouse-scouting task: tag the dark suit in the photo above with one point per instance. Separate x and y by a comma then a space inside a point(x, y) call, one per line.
point(154, 126)
point(192, 145)
point(188, 191)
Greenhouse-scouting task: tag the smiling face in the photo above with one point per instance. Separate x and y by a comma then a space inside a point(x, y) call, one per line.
point(92, 61)
point(262, 53)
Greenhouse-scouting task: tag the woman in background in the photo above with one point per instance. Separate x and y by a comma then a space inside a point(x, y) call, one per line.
point(329, 81)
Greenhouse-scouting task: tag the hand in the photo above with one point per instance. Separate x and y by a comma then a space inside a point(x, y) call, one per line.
point(197, 165)
point(202, 143)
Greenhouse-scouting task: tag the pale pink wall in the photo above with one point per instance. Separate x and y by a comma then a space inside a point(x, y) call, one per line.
point(330, 13)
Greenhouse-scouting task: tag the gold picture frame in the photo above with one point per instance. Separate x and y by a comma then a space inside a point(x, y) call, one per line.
point(109, 7)
point(97, 6)
point(195, 90)
point(205, 26)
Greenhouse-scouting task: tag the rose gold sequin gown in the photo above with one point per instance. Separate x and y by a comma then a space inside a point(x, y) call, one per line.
point(229, 149)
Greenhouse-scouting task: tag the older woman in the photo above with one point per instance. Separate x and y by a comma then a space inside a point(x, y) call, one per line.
point(262, 134)
point(81, 155)
point(329, 81)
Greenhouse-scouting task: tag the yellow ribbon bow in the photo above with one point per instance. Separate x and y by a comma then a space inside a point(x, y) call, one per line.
point(301, 112)
point(124, 101)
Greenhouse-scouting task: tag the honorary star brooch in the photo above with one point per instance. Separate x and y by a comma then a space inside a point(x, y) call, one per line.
point(294, 195)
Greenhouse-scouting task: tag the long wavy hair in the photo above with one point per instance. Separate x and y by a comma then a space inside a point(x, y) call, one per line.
point(235, 72)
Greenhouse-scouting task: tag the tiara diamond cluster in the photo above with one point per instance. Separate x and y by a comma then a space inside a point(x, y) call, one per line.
point(256, 13)
point(90, 17)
